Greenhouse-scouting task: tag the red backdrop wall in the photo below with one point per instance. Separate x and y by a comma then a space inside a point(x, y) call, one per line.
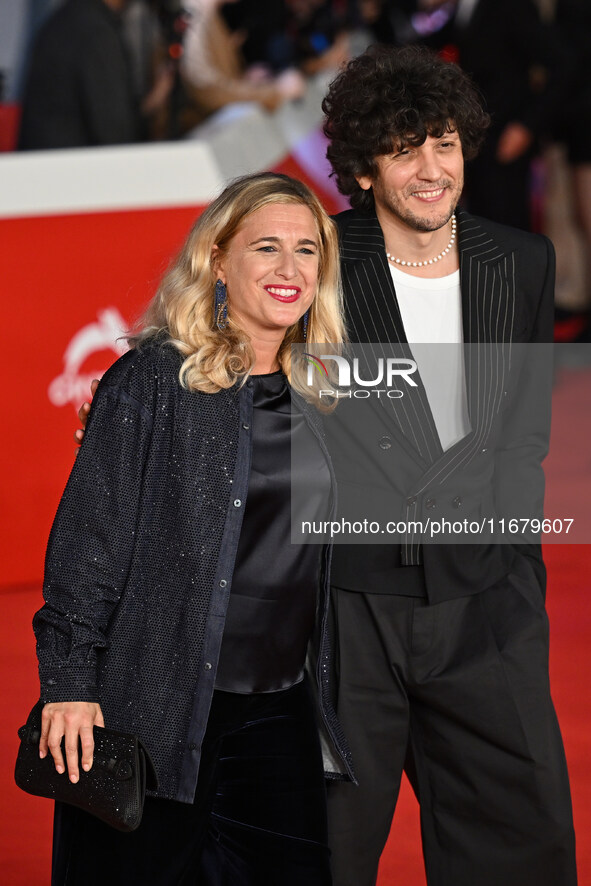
point(59, 275)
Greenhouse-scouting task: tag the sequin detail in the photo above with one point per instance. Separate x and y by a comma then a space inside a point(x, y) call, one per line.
point(145, 534)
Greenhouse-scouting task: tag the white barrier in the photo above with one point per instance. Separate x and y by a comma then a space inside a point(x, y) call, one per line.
point(237, 140)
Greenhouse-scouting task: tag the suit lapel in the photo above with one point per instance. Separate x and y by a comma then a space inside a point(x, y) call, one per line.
point(487, 281)
point(373, 314)
point(373, 318)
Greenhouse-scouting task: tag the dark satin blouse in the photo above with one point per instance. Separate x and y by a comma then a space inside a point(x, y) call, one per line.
point(272, 604)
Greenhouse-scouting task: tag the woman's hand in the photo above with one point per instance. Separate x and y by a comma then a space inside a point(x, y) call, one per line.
point(83, 413)
point(72, 719)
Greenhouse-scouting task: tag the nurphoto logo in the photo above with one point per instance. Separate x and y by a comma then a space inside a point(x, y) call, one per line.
point(388, 372)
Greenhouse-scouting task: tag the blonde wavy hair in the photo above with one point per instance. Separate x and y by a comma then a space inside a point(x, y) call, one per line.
point(182, 311)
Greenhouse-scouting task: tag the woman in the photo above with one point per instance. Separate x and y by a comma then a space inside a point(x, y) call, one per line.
point(176, 607)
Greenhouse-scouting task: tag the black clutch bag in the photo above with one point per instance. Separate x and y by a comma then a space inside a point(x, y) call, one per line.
point(115, 787)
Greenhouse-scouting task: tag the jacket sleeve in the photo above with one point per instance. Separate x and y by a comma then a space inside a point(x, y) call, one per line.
point(91, 545)
point(519, 475)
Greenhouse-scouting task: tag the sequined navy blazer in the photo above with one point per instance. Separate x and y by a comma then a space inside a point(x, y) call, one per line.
point(140, 560)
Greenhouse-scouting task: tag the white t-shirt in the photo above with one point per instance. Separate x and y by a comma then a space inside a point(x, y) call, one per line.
point(432, 316)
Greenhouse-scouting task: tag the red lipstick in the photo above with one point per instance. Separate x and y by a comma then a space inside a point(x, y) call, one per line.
point(285, 294)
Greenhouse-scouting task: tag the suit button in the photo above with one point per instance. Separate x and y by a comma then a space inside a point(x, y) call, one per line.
point(412, 500)
point(192, 746)
point(385, 443)
point(430, 504)
point(457, 502)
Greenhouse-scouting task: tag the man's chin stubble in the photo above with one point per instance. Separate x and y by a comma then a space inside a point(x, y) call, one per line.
point(422, 224)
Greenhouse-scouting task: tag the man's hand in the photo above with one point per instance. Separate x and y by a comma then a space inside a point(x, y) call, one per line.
point(83, 412)
point(73, 719)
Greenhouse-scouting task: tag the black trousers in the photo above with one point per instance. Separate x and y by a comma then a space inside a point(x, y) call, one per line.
point(259, 816)
point(457, 694)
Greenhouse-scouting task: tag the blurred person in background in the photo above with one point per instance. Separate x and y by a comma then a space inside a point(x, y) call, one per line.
point(388, 21)
point(308, 34)
point(572, 129)
point(213, 71)
point(35, 12)
point(315, 37)
point(154, 68)
point(80, 89)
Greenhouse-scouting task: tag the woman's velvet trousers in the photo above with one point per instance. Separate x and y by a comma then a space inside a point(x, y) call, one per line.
point(259, 816)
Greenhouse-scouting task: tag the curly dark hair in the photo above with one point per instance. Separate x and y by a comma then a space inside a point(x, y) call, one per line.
point(389, 97)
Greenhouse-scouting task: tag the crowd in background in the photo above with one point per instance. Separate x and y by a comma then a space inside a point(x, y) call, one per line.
point(155, 69)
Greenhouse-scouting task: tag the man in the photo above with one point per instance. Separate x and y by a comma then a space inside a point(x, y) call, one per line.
point(442, 649)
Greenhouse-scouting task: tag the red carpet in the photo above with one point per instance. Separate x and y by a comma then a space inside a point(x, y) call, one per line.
point(25, 841)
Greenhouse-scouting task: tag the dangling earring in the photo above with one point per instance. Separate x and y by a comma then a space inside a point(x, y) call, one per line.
point(305, 319)
point(220, 305)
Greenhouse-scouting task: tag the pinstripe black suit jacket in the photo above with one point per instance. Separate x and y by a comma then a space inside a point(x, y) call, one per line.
point(507, 285)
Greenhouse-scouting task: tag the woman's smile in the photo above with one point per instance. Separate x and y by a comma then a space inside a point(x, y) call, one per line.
point(284, 293)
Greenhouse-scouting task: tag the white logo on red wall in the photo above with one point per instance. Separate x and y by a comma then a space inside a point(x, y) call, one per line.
point(73, 385)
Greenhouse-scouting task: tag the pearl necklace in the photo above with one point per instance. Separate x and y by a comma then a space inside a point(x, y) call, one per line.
point(423, 264)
